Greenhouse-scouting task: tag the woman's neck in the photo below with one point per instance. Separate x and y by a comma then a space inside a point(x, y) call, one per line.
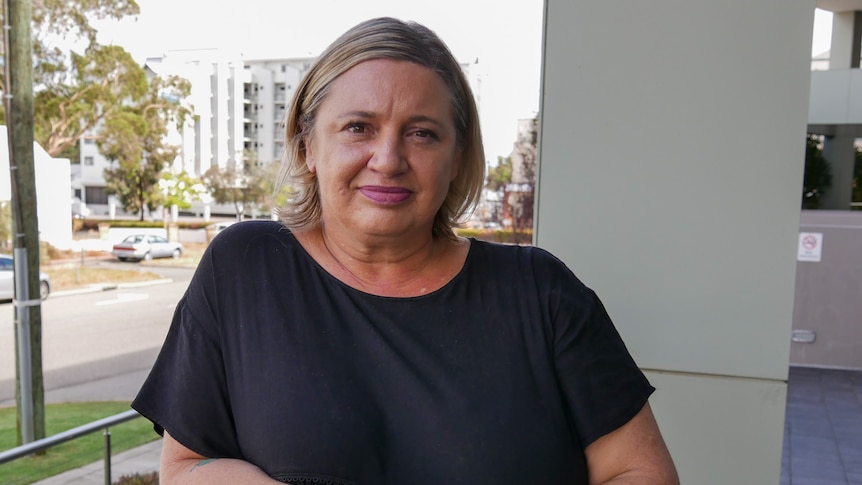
point(397, 267)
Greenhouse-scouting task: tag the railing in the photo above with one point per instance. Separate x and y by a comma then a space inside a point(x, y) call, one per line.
point(69, 435)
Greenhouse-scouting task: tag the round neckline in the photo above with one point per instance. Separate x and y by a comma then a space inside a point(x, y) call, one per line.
point(330, 276)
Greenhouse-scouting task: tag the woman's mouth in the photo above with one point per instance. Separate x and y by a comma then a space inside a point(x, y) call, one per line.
point(385, 195)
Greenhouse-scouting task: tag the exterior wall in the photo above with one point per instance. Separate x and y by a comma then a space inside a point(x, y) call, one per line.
point(835, 97)
point(829, 293)
point(53, 205)
point(213, 136)
point(689, 239)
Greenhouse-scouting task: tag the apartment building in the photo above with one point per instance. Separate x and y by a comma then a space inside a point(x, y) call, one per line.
point(268, 90)
point(237, 108)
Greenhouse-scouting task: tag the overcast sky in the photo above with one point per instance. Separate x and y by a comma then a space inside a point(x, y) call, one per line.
point(822, 32)
point(507, 43)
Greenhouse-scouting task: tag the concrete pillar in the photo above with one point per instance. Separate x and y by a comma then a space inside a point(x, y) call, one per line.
point(846, 40)
point(841, 154)
point(643, 191)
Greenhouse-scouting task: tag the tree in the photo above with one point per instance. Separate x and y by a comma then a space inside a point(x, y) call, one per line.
point(134, 139)
point(100, 83)
point(818, 173)
point(514, 177)
point(248, 189)
point(499, 176)
point(497, 179)
point(73, 92)
point(180, 189)
point(524, 174)
point(228, 186)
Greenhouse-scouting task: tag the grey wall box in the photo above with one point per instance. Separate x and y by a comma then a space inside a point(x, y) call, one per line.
point(671, 156)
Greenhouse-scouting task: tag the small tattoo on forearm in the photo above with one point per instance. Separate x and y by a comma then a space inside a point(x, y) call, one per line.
point(203, 462)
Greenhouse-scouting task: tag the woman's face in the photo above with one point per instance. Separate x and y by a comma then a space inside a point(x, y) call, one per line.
point(384, 150)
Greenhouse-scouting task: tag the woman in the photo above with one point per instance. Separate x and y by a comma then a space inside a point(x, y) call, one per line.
point(361, 341)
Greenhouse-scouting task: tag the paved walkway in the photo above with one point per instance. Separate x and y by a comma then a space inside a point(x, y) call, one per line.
point(822, 439)
point(823, 428)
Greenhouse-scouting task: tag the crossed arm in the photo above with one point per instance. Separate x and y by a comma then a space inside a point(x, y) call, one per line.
point(182, 465)
point(633, 454)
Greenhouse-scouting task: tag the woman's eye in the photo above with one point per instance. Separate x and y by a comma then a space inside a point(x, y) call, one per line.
point(356, 127)
point(425, 134)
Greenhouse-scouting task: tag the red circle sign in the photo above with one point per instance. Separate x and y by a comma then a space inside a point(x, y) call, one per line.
point(809, 242)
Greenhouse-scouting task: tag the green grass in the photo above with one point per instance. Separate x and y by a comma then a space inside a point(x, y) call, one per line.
point(75, 453)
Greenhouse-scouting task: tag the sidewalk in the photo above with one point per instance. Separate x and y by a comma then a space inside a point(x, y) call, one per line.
point(143, 459)
point(822, 437)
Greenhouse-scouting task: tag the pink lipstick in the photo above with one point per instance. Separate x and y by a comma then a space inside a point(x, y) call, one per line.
point(385, 195)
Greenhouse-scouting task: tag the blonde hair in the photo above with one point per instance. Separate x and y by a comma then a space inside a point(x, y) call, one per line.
point(381, 38)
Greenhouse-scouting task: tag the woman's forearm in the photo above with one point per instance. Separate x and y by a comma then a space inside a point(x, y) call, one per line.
point(212, 471)
point(180, 465)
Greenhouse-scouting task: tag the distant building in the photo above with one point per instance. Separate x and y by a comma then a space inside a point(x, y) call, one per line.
point(269, 88)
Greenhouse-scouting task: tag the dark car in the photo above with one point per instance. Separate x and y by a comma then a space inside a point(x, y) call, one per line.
point(7, 280)
point(146, 246)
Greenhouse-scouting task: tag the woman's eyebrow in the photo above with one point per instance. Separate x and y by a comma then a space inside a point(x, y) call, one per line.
point(360, 114)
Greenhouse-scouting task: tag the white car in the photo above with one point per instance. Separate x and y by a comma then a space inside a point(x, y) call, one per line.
point(146, 246)
point(7, 280)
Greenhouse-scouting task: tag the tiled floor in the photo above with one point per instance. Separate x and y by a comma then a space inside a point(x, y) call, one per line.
point(823, 428)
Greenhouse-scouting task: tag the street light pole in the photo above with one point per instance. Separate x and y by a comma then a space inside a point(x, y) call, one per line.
point(18, 101)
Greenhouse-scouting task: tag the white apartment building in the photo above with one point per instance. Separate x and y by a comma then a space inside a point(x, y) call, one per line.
point(268, 91)
point(237, 109)
point(835, 102)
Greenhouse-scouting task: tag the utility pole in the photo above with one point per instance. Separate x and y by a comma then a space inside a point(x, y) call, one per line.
point(18, 99)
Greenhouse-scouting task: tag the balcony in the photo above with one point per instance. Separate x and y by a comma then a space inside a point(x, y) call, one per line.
point(835, 99)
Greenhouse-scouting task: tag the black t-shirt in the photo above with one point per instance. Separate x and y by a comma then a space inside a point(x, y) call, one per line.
point(502, 376)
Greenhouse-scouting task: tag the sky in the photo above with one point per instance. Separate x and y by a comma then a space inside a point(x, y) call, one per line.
point(822, 38)
point(506, 43)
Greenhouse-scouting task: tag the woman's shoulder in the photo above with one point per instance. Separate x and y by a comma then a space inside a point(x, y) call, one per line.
point(247, 239)
point(242, 233)
point(526, 269)
point(498, 253)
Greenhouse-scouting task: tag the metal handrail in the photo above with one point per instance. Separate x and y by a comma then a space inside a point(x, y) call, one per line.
point(69, 435)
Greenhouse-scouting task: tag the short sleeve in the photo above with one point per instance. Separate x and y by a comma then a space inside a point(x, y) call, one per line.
point(600, 381)
point(186, 392)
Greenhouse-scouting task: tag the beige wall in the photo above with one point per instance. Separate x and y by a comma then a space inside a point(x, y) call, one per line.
point(829, 293)
point(671, 159)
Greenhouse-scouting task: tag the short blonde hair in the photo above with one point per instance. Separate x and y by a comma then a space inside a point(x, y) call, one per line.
point(382, 38)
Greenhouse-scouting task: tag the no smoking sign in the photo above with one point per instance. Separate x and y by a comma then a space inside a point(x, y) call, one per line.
point(810, 246)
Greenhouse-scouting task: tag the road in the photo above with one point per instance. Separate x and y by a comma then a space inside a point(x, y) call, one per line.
point(111, 336)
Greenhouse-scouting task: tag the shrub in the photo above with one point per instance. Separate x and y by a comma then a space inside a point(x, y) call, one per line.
point(151, 478)
point(506, 236)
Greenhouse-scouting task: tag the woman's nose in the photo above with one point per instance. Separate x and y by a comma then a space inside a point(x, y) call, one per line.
point(388, 157)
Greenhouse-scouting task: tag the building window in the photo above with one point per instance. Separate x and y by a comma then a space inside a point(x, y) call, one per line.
point(89, 141)
point(95, 195)
point(88, 161)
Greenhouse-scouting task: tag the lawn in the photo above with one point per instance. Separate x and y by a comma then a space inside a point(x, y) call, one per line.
point(68, 273)
point(75, 453)
point(68, 278)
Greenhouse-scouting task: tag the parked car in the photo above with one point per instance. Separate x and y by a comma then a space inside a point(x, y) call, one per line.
point(7, 280)
point(146, 246)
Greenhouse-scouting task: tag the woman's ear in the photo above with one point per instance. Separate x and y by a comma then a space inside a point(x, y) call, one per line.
point(309, 154)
